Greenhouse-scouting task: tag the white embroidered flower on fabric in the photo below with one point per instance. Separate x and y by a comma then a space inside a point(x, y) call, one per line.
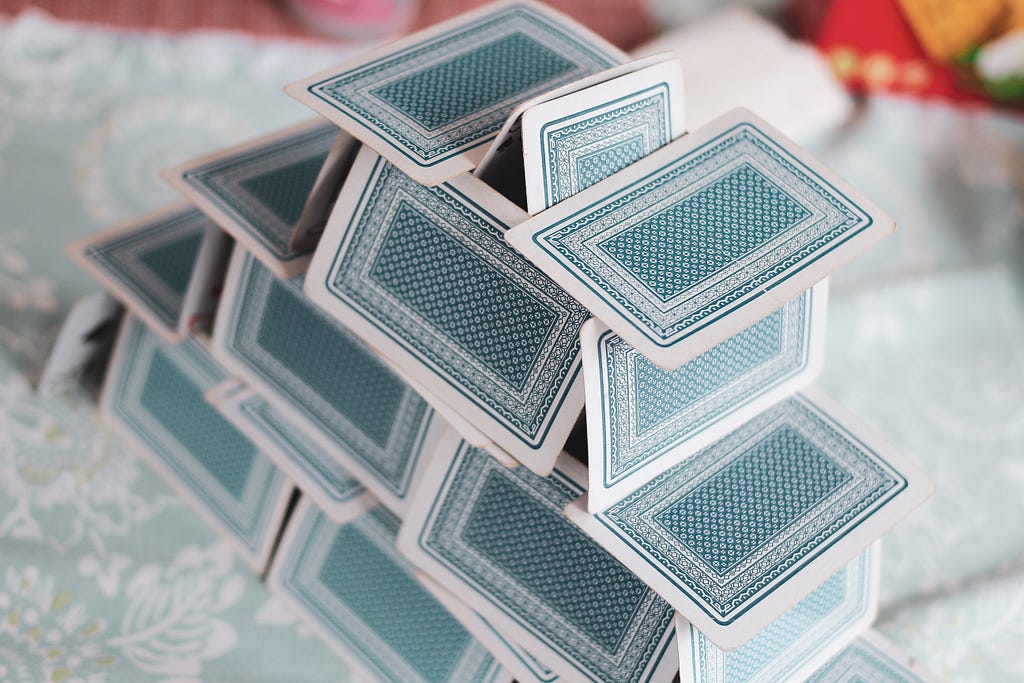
point(171, 624)
point(64, 481)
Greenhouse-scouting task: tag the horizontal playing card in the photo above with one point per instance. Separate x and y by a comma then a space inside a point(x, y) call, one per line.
point(576, 140)
point(85, 337)
point(313, 469)
point(702, 238)
point(793, 646)
point(644, 420)
point(356, 591)
point(520, 663)
point(424, 275)
point(154, 395)
point(325, 380)
point(498, 539)
point(738, 533)
point(872, 658)
point(429, 103)
point(148, 263)
point(258, 191)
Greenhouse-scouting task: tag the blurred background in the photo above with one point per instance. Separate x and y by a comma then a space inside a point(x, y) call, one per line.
point(916, 102)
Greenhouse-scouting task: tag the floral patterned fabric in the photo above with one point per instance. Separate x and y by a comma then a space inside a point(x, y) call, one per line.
point(105, 575)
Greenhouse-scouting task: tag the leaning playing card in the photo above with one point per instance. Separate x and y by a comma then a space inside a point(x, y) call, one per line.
point(642, 420)
point(154, 394)
point(424, 276)
point(520, 663)
point(314, 470)
point(497, 538)
point(324, 379)
point(86, 335)
point(793, 646)
point(358, 593)
point(572, 142)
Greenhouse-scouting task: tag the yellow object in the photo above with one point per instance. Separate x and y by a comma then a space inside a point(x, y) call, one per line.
point(949, 28)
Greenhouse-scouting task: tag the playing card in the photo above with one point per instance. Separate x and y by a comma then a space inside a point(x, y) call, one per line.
point(793, 646)
point(644, 420)
point(702, 238)
point(472, 435)
point(356, 591)
point(258, 191)
point(498, 539)
point(576, 140)
point(154, 395)
point(735, 535)
point(324, 379)
point(465, 429)
point(523, 666)
point(147, 264)
point(461, 425)
point(85, 337)
point(203, 292)
point(429, 103)
point(324, 193)
point(313, 469)
point(424, 275)
point(872, 658)
point(502, 164)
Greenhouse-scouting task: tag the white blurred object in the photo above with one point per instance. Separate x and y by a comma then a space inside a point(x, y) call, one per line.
point(737, 59)
point(1002, 57)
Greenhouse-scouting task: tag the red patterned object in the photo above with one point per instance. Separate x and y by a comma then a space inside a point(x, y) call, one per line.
point(872, 48)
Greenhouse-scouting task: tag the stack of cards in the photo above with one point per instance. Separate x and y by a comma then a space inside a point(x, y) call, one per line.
point(537, 358)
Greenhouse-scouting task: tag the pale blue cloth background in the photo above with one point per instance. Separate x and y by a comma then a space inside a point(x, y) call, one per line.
point(106, 576)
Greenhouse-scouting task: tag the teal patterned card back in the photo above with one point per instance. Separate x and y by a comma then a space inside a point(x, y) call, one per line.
point(542, 571)
point(429, 267)
point(536, 668)
point(816, 626)
point(356, 586)
point(264, 188)
point(646, 411)
point(153, 262)
point(439, 97)
point(157, 394)
point(587, 147)
point(333, 480)
point(676, 248)
point(327, 374)
point(867, 660)
point(741, 517)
